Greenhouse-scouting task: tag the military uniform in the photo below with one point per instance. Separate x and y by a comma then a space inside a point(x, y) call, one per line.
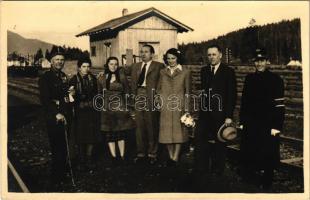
point(53, 86)
point(262, 109)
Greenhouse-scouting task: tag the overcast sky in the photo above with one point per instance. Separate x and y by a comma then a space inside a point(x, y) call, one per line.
point(59, 22)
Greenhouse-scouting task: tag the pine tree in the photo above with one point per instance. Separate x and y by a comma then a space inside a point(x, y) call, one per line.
point(47, 55)
point(38, 55)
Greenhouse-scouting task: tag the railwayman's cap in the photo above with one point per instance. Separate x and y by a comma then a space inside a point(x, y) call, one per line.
point(227, 133)
point(260, 54)
point(57, 51)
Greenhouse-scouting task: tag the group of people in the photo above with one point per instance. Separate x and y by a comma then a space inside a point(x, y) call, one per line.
point(71, 115)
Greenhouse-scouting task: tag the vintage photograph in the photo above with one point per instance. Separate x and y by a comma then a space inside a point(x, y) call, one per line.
point(157, 97)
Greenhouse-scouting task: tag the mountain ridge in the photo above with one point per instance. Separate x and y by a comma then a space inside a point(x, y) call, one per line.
point(25, 46)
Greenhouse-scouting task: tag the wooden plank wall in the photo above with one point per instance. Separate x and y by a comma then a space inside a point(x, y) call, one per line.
point(101, 51)
point(152, 29)
point(292, 83)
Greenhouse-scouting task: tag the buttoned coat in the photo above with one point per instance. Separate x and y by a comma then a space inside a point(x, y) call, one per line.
point(262, 109)
point(172, 89)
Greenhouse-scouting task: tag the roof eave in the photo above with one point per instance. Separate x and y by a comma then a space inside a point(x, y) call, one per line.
point(181, 27)
point(187, 28)
point(92, 32)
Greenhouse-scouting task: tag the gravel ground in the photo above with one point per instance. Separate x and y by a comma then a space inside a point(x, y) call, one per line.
point(28, 150)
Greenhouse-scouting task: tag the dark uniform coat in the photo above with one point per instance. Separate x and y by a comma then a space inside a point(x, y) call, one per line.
point(53, 87)
point(262, 109)
point(86, 118)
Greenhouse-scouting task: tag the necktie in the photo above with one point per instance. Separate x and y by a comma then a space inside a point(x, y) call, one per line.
point(142, 75)
point(212, 70)
point(212, 73)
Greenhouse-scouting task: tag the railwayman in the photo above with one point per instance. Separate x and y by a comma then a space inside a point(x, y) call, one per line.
point(262, 116)
point(55, 99)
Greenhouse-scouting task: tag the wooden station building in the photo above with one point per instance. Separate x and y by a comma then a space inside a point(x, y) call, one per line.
point(127, 34)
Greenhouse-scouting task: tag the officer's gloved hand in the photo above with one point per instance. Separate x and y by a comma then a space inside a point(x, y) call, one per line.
point(60, 117)
point(275, 132)
point(228, 121)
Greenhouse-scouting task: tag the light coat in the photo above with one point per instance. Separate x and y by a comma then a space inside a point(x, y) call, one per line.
point(172, 89)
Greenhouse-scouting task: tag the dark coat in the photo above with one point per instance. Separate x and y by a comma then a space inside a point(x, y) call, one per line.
point(219, 101)
point(53, 87)
point(220, 96)
point(178, 84)
point(262, 109)
point(86, 119)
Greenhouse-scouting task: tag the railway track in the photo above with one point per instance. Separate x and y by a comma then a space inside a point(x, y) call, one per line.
point(27, 88)
point(19, 181)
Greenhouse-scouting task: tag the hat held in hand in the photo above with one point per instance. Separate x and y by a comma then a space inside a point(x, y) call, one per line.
point(227, 133)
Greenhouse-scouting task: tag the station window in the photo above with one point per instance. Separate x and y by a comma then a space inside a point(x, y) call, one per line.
point(93, 51)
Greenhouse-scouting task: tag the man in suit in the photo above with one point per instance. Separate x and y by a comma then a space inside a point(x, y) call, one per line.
point(144, 78)
point(218, 84)
point(262, 117)
point(54, 96)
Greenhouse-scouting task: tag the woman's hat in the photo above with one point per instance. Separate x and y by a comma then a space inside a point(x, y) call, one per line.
point(227, 133)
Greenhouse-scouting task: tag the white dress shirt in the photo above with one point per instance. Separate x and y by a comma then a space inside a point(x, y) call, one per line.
point(148, 64)
point(216, 67)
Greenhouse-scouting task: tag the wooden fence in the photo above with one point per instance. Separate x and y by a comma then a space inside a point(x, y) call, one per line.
point(292, 84)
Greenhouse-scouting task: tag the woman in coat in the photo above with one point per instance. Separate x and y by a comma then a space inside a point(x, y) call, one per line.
point(116, 120)
point(174, 83)
point(86, 118)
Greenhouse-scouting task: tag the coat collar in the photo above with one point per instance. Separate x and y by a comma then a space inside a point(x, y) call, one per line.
point(178, 70)
point(179, 67)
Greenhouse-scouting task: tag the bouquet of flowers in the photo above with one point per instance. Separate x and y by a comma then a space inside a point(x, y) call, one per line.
point(188, 120)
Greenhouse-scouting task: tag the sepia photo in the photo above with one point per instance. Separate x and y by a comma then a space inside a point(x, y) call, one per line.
point(154, 99)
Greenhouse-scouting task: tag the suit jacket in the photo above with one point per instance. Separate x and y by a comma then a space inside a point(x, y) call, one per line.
point(220, 90)
point(152, 77)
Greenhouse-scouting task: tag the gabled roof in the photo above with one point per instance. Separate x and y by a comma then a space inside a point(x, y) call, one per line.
point(120, 22)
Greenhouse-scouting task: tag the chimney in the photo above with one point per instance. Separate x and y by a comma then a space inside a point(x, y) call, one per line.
point(124, 12)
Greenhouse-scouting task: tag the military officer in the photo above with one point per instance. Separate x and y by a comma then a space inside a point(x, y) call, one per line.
point(54, 96)
point(261, 116)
